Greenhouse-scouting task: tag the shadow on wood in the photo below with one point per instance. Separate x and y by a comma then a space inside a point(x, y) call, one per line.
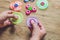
point(12, 29)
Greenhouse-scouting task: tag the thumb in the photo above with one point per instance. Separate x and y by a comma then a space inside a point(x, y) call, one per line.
point(12, 16)
point(34, 24)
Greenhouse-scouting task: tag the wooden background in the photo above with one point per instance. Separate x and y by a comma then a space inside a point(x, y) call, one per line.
point(50, 18)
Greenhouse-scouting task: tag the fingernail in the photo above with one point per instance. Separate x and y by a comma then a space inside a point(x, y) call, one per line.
point(32, 21)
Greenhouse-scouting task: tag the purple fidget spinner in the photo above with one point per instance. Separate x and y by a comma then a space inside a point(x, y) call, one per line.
point(29, 21)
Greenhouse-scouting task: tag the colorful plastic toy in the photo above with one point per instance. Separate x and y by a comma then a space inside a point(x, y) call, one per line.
point(26, 1)
point(16, 6)
point(30, 9)
point(28, 12)
point(42, 4)
point(29, 22)
point(20, 18)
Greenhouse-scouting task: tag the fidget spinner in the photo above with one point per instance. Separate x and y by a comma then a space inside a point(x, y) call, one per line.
point(16, 6)
point(30, 9)
point(19, 20)
point(42, 4)
point(29, 22)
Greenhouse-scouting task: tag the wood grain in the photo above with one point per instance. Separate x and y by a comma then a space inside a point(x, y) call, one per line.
point(50, 18)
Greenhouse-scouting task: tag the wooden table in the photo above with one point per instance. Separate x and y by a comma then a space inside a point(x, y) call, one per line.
point(50, 18)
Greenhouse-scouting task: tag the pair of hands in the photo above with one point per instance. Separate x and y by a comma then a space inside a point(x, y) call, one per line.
point(38, 30)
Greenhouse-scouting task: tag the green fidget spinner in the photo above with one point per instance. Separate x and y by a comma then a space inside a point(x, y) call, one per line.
point(20, 18)
point(42, 4)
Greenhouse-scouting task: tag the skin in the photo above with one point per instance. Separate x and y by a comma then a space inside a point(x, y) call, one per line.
point(38, 30)
point(4, 18)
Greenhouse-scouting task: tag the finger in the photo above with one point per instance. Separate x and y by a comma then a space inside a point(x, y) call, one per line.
point(34, 24)
point(7, 22)
point(12, 16)
point(8, 12)
point(41, 26)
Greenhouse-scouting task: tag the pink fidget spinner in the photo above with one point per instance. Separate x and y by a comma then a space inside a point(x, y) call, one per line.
point(29, 22)
point(16, 6)
point(30, 9)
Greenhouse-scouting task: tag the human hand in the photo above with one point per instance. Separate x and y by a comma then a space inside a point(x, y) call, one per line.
point(4, 18)
point(38, 31)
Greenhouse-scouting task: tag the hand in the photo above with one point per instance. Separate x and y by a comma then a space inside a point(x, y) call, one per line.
point(38, 31)
point(4, 18)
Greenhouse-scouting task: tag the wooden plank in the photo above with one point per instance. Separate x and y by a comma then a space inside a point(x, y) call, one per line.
point(50, 18)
